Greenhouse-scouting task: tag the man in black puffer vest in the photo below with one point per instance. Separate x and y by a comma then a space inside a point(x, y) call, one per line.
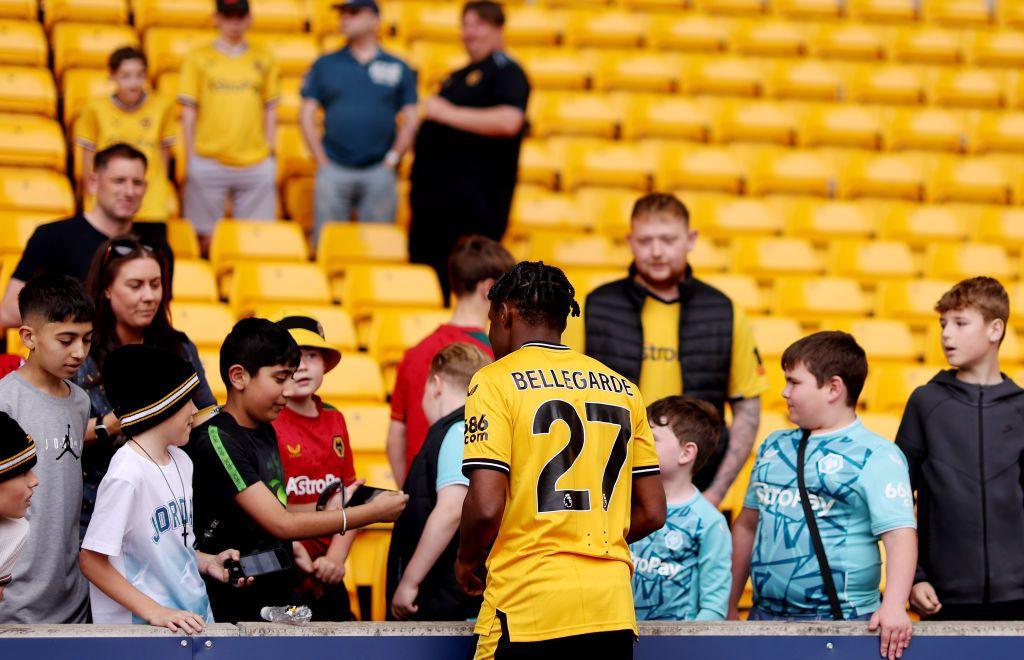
point(669, 332)
point(421, 561)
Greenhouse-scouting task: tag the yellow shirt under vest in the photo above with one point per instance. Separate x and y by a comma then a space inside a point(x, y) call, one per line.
point(660, 372)
point(149, 127)
point(571, 435)
point(232, 93)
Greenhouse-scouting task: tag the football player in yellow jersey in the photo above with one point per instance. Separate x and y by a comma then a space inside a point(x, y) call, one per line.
point(563, 474)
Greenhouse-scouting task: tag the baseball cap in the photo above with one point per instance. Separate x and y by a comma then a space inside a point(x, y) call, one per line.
point(309, 333)
point(233, 7)
point(358, 4)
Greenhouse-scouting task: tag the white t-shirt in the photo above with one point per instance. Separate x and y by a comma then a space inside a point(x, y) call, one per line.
point(138, 524)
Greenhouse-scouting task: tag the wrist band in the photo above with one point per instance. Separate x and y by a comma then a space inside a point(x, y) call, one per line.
point(344, 521)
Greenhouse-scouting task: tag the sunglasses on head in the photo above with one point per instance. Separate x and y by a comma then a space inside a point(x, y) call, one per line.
point(123, 247)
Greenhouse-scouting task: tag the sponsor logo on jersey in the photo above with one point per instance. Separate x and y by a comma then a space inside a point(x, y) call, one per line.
point(294, 450)
point(768, 495)
point(303, 485)
point(474, 78)
point(338, 443)
point(385, 73)
point(655, 566)
point(831, 464)
point(673, 540)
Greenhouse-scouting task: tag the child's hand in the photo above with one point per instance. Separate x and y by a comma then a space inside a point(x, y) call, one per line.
point(302, 558)
point(217, 571)
point(896, 629)
point(189, 623)
point(403, 604)
point(327, 571)
point(924, 600)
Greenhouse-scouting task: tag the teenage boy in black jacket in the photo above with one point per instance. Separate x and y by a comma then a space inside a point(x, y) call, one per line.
point(963, 435)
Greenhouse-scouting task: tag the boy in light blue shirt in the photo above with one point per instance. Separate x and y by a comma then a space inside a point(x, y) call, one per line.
point(682, 571)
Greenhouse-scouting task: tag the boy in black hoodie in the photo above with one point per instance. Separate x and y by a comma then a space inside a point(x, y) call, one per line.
point(963, 435)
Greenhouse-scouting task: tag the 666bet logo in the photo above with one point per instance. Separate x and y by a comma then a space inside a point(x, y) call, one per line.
point(899, 490)
point(476, 429)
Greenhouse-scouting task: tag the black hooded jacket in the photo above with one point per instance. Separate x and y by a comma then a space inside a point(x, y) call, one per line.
point(965, 447)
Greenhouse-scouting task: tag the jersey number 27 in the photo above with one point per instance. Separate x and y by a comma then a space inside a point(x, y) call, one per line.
point(549, 497)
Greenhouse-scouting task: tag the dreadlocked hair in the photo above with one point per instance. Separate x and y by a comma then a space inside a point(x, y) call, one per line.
point(542, 294)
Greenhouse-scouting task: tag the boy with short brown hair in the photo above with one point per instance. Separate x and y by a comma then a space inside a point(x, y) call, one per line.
point(961, 434)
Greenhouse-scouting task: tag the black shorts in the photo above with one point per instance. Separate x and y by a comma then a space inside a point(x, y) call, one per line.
point(611, 645)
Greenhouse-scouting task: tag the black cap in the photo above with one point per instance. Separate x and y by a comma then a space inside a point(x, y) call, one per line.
point(17, 449)
point(233, 7)
point(358, 4)
point(146, 385)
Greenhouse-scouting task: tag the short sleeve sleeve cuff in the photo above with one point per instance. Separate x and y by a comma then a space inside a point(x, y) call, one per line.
point(646, 470)
point(471, 464)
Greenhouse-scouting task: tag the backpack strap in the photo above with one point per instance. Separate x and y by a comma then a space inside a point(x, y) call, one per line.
point(812, 529)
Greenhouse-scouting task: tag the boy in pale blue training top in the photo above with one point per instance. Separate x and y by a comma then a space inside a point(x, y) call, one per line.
point(681, 572)
point(858, 490)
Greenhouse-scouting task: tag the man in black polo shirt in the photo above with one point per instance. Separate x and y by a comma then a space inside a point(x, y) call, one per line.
point(467, 150)
point(67, 246)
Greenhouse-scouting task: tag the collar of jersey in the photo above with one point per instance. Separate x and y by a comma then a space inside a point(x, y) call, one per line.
point(542, 344)
point(843, 431)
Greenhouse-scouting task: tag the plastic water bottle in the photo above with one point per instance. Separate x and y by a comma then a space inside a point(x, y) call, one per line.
point(296, 615)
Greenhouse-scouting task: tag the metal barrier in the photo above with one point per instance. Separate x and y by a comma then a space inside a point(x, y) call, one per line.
point(442, 641)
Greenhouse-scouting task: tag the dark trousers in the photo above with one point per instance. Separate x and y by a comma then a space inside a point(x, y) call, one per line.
point(1006, 611)
point(614, 645)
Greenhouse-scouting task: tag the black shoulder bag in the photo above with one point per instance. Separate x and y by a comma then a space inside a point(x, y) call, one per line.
point(812, 529)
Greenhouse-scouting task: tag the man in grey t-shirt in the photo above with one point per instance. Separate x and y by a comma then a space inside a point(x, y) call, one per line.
point(48, 586)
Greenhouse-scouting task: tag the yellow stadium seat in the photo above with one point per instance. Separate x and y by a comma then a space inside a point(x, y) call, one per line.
point(533, 25)
point(970, 88)
point(662, 116)
point(922, 225)
point(928, 128)
point(15, 229)
point(694, 33)
point(298, 200)
point(392, 332)
point(727, 76)
point(1003, 48)
point(356, 378)
point(596, 115)
point(20, 9)
point(816, 298)
point(194, 281)
point(639, 72)
point(35, 191)
point(585, 280)
point(339, 329)
point(873, 261)
point(80, 85)
point(1001, 226)
point(851, 41)
point(88, 45)
point(885, 175)
point(369, 555)
point(205, 323)
point(181, 236)
point(884, 10)
point(376, 286)
point(844, 126)
point(708, 257)
point(290, 100)
point(890, 84)
point(954, 261)
point(541, 162)
point(31, 141)
point(345, 243)
point(807, 80)
point(998, 131)
point(536, 208)
point(367, 425)
point(795, 172)
point(167, 46)
point(758, 121)
point(279, 16)
point(297, 284)
point(181, 13)
point(884, 340)
point(911, 300)
point(555, 68)
point(432, 21)
point(808, 9)
point(1016, 292)
point(628, 165)
point(773, 334)
point(704, 168)
point(235, 241)
point(607, 29)
point(27, 89)
point(435, 61)
point(884, 424)
point(928, 45)
point(890, 385)
point(831, 220)
point(751, 7)
point(293, 51)
point(734, 217)
point(609, 209)
point(742, 289)
point(22, 43)
point(771, 38)
point(293, 156)
point(585, 251)
point(979, 179)
point(655, 5)
point(774, 257)
point(210, 360)
point(85, 11)
point(960, 13)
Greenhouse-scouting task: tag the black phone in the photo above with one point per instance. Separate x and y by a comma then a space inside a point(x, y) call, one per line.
point(364, 494)
point(260, 563)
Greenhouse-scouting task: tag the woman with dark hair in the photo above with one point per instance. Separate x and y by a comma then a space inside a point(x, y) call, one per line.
point(129, 283)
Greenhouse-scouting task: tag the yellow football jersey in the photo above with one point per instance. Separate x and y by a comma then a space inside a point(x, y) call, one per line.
point(571, 435)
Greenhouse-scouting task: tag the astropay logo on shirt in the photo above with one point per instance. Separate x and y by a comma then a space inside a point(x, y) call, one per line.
point(303, 485)
point(769, 495)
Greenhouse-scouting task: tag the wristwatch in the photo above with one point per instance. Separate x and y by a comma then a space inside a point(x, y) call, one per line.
point(101, 430)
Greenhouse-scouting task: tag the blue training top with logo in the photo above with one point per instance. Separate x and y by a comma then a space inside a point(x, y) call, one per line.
point(859, 488)
point(682, 572)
